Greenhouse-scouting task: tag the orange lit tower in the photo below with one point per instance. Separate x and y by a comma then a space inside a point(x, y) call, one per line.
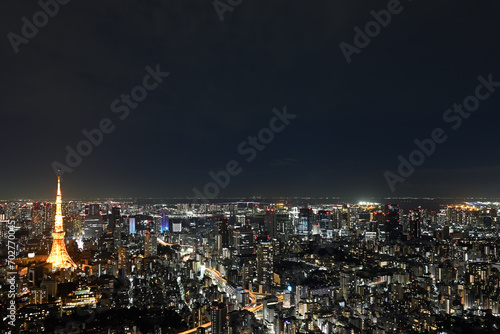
point(59, 256)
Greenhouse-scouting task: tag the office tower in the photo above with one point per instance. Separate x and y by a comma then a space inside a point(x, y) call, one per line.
point(414, 220)
point(164, 221)
point(392, 227)
point(150, 244)
point(224, 232)
point(305, 221)
point(243, 240)
point(316, 229)
point(247, 273)
point(177, 226)
point(25, 213)
point(131, 225)
point(114, 219)
point(59, 256)
point(232, 219)
point(265, 262)
point(288, 299)
point(345, 282)
point(122, 258)
point(270, 308)
point(122, 263)
point(270, 223)
point(93, 210)
point(93, 225)
point(117, 237)
point(219, 314)
point(114, 226)
point(324, 219)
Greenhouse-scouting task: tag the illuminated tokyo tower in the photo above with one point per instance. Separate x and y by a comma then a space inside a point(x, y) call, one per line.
point(59, 256)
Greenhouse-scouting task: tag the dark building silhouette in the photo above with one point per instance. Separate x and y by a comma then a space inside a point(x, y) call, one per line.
point(392, 227)
point(414, 220)
point(224, 232)
point(219, 318)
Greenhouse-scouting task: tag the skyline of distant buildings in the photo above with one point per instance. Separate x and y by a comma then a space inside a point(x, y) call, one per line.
point(264, 267)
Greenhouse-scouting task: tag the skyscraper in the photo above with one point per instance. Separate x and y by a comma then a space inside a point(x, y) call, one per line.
point(219, 314)
point(59, 256)
point(305, 221)
point(93, 225)
point(164, 227)
point(114, 219)
point(414, 219)
point(392, 228)
point(224, 232)
point(243, 240)
point(122, 257)
point(115, 226)
point(265, 262)
point(150, 244)
point(270, 223)
point(131, 224)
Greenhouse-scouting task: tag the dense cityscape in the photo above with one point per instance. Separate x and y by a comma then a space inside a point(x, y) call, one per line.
point(249, 267)
point(250, 167)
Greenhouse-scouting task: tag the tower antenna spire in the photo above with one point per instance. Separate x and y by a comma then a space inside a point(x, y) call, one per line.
point(59, 256)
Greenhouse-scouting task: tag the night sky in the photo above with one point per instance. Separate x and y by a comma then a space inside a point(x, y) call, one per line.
point(352, 120)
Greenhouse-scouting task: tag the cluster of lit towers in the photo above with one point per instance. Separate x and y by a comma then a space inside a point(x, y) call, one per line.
point(59, 257)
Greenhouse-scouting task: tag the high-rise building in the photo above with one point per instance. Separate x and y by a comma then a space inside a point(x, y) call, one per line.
point(305, 221)
point(218, 312)
point(392, 226)
point(265, 262)
point(177, 226)
point(224, 232)
point(164, 224)
point(288, 299)
point(93, 225)
point(59, 256)
point(93, 210)
point(122, 258)
point(270, 223)
point(131, 225)
point(115, 226)
point(243, 240)
point(150, 244)
point(414, 219)
point(324, 219)
point(114, 219)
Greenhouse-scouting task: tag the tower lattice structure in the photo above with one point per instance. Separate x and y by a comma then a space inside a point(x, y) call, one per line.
point(59, 256)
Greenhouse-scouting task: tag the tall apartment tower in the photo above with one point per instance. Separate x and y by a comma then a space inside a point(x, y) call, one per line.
point(219, 318)
point(150, 244)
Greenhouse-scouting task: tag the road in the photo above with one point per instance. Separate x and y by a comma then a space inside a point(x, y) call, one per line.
point(252, 307)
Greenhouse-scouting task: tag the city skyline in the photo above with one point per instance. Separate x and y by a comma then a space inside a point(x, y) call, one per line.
point(261, 267)
point(250, 167)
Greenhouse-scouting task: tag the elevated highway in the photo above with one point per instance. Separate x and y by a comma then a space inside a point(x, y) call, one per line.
point(221, 282)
